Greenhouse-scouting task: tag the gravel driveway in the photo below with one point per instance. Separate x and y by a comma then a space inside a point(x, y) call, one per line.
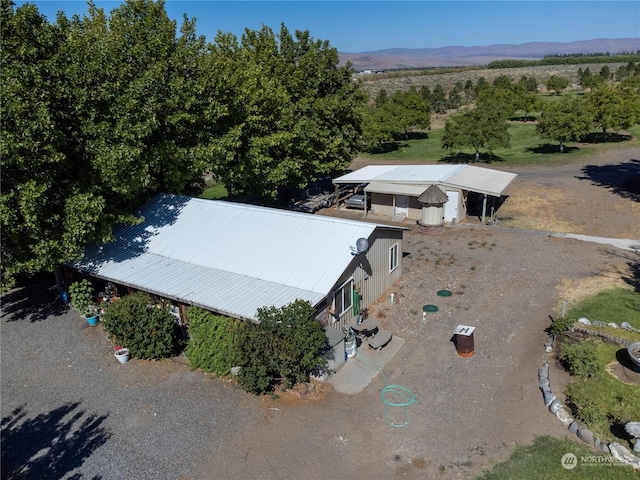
point(70, 410)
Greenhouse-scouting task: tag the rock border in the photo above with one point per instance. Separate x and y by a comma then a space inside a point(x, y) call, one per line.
point(618, 451)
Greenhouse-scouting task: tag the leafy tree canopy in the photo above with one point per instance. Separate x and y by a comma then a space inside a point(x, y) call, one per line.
point(101, 112)
point(565, 120)
point(477, 128)
point(557, 84)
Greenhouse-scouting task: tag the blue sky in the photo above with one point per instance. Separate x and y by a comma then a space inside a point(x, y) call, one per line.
point(358, 26)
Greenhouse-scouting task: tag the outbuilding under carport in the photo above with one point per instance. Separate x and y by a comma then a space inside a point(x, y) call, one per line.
point(394, 189)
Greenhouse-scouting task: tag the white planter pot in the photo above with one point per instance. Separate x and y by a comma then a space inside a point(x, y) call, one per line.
point(122, 355)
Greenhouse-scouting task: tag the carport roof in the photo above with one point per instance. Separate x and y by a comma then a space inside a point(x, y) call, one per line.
point(227, 257)
point(465, 177)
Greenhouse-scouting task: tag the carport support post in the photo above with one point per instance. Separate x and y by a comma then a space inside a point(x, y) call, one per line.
point(365, 204)
point(484, 207)
point(336, 198)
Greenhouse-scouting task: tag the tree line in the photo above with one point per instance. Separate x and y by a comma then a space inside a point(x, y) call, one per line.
point(568, 59)
point(102, 111)
point(481, 112)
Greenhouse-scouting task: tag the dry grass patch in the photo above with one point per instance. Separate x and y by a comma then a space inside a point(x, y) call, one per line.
point(574, 290)
point(535, 207)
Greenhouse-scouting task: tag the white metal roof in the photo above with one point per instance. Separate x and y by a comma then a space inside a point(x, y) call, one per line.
point(396, 188)
point(228, 257)
point(481, 180)
point(466, 177)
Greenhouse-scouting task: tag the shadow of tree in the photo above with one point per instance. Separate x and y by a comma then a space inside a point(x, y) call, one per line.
point(460, 157)
point(50, 445)
point(611, 137)
point(622, 179)
point(550, 148)
point(34, 301)
point(632, 276)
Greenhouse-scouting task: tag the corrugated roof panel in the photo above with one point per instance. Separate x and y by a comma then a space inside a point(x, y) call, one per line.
point(365, 174)
point(396, 188)
point(399, 173)
point(217, 254)
point(466, 177)
point(481, 180)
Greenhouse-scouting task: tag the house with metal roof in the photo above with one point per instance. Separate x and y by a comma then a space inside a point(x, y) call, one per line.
point(395, 190)
point(233, 259)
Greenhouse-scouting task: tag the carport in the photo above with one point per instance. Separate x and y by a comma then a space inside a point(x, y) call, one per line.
point(394, 189)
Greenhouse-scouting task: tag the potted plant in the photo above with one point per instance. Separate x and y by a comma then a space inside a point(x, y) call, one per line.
point(82, 299)
point(122, 354)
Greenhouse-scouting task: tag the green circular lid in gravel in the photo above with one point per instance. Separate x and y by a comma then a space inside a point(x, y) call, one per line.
point(430, 308)
point(444, 293)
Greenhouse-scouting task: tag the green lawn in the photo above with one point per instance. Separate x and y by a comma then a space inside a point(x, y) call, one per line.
point(542, 460)
point(526, 149)
point(614, 305)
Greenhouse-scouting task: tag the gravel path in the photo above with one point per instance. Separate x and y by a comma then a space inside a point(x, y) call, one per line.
point(70, 410)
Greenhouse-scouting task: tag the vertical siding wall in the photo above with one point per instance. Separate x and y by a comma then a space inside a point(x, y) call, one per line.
point(383, 204)
point(371, 274)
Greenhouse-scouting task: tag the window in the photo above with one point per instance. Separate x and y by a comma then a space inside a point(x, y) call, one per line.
point(343, 297)
point(393, 258)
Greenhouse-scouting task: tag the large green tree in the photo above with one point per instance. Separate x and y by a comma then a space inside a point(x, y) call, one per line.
point(99, 113)
point(388, 118)
point(613, 107)
point(557, 84)
point(290, 111)
point(102, 111)
point(565, 120)
point(484, 127)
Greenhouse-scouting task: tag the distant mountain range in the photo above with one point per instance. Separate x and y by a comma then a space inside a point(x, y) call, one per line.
point(399, 58)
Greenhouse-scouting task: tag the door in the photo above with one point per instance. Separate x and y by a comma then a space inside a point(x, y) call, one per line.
point(451, 207)
point(402, 206)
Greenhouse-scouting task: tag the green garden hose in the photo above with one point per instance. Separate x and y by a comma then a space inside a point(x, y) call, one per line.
point(392, 395)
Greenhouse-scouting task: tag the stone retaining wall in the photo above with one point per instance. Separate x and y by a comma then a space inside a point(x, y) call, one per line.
point(619, 452)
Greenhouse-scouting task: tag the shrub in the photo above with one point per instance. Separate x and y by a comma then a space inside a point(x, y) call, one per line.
point(212, 345)
point(284, 347)
point(582, 358)
point(82, 298)
point(147, 331)
point(561, 325)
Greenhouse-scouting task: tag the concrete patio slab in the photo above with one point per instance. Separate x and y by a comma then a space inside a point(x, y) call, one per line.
point(362, 368)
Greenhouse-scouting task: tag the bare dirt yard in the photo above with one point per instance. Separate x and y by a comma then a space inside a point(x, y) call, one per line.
point(161, 420)
point(509, 284)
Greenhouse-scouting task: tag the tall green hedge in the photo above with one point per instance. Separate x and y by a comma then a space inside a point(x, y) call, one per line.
point(147, 331)
point(285, 347)
point(212, 346)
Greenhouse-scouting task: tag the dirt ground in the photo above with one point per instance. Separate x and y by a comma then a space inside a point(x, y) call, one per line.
point(509, 284)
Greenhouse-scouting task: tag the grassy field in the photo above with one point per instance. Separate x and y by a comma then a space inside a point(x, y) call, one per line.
point(543, 460)
point(526, 148)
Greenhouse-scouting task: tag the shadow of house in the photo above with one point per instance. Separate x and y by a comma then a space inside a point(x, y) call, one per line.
point(622, 179)
point(50, 445)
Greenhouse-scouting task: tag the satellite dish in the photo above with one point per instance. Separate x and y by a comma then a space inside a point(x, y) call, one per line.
point(362, 245)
